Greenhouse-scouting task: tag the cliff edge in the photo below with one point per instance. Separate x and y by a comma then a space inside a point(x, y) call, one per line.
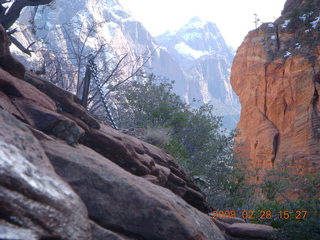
point(276, 74)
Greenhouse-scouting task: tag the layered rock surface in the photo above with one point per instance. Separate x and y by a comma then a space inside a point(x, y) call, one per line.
point(96, 197)
point(276, 73)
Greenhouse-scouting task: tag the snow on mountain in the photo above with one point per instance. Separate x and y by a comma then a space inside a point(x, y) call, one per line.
point(187, 51)
point(126, 36)
point(195, 57)
point(205, 58)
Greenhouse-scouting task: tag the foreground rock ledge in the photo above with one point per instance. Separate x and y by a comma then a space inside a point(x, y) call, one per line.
point(136, 194)
point(247, 230)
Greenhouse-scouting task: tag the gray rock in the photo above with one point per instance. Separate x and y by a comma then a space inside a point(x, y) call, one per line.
point(125, 203)
point(12, 232)
point(100, 233)
point(32, 196)
point(143, 159)
point(250, 230)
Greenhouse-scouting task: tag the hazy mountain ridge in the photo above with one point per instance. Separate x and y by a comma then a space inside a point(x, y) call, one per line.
point(195, 77)
point(205, 58)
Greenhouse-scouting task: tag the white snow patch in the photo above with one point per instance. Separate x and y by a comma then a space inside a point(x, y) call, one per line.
point(308, 30)
point(191, 36)
point(184, 49)
point(285, 24)
point(315, 22)
point(297, 45)
point(305, 16)
point(196, 23)
point(273, 37)
point(288, 54)
point(271, 25)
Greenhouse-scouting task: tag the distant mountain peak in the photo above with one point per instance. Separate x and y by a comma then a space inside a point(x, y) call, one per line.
point(198, 23)
point(197, 19)
point(200, 50)
point(194, 23)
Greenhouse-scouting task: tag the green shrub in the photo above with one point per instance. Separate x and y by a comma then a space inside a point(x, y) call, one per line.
point(296, 219)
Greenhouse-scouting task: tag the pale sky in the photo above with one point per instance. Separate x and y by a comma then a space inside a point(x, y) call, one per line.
point(234, 18)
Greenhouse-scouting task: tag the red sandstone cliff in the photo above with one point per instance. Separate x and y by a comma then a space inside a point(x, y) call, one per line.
point(276, 73)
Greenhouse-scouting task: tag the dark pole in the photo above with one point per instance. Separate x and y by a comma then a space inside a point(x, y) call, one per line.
point(86, 86)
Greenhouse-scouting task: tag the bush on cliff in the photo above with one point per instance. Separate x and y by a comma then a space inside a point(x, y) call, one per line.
point(297, 219)
point(194, 136)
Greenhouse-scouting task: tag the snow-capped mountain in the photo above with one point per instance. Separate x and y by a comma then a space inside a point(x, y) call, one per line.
point(205, 58)
point(195, 57)
point(46, 26)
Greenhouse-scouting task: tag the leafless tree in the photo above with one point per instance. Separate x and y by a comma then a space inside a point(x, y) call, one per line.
point(93, 71)
point(10, 11)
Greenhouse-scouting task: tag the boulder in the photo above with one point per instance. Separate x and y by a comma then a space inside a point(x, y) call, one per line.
point(100, 233)
point(248, 230)
point(125, 203)
point(13, 87)
point(34, 201)
point(220, 224)
point(232, 220)
point(66, 101)
point(48, 121)
point(145, 160)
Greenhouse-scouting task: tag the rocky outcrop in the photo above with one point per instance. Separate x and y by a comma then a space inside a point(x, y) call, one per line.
point(121, 202)
point(250, 230)
point(34, 200)
point(116, 200)
point(64, 175)
point(276, 75)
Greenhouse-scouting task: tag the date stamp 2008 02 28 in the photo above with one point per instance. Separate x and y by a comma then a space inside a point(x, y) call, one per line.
point(268, 214)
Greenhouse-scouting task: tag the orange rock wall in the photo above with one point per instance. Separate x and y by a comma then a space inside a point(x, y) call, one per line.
point(280, 102)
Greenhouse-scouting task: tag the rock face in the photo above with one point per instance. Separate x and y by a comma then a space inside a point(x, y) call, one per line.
point(204, 77)
point(276, 73)
point(200, 50)
point(32, 195)
point(121, 32)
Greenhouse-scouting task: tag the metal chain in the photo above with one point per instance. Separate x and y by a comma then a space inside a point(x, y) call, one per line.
point(93, 67)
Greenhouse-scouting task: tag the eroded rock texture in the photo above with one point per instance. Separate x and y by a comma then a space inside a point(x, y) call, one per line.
point(34, 202)
point(64, 175)
point(276, 73)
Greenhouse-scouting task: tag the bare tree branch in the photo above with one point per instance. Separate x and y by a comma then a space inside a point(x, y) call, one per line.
point(131, 75)
point(20, 46)
point(10, 16)
point(11, 31)
point(114, 69)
